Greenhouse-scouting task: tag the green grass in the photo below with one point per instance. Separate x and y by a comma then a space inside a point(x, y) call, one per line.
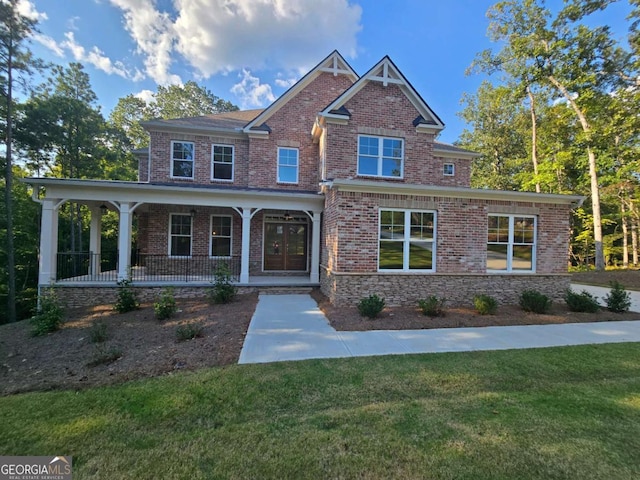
point(535, 414)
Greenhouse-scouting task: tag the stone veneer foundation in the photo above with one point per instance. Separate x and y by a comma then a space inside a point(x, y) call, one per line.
point(345, 289)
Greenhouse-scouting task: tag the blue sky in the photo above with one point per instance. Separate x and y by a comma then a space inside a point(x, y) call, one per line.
point(250, 51)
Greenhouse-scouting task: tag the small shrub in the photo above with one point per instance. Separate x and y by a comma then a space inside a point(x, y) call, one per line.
point(534, 301)
point(223, 290)
point(581, 302)
point(127, 300)
point(188, 332)
point(432, 306)
point(98, 332)
point(166, 306)
point(104, 356)
point(618, 300)
point(49, 316)
point(485, 304)
point(371, 306)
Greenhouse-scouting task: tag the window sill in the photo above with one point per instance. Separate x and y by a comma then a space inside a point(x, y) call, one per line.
point(221, 180)
point(380, 177)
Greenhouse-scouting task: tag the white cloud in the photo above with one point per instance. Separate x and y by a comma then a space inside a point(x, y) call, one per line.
point(251, 92)
point(225, 35)
point(49, 43)
point(146, 96)
point(95, 57)
point(28, 9)
point(285, 82)
point(154, 35)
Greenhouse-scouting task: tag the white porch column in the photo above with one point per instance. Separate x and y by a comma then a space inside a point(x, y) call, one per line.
point(95, 246)
point(315, 248)
point(246, 245)
point(124, 241)
point(48, 242)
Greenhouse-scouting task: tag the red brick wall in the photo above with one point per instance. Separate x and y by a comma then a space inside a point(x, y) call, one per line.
point(291, 127)
point(386, 111)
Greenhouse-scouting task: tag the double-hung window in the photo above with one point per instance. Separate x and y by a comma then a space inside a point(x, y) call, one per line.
point(221, 233)
point(380, 157)
point(407, 240)
point(180, 232)
point(222, 162)
point(287, 165)
point(511, 243)
point(182, 158)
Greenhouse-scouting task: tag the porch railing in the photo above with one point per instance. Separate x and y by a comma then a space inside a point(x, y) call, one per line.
point(93, 267)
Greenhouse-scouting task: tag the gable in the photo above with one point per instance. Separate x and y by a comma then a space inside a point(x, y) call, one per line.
point(333, 64)
point(386, 74)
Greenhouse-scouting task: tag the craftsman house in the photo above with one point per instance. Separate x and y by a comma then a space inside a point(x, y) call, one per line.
point(340, 183)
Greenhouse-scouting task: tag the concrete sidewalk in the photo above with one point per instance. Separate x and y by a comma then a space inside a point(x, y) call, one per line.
point(292, 327)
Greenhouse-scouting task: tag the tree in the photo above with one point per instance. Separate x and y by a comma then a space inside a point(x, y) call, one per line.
point(15, 58)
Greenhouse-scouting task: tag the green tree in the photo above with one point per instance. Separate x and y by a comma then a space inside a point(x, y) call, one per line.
point(15, 60)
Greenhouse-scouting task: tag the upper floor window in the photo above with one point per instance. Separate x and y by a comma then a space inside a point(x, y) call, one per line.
point(449, 170)
point(180, 230)
point(406, 240)
point(380, 157)
point(222, 162)
point(287, 165)
point(221, 233)
point(511, 243)
point(182, 158)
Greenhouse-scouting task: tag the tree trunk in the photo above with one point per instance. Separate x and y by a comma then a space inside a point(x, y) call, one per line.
point(534, 137)
point(634, 235)
point(593, 174)
point(625, 234)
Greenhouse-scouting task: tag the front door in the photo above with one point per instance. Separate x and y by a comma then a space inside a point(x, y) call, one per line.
point(285, 246)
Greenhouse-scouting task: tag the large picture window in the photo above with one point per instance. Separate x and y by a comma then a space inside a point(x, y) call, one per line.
point(182, 157)
point(380, 157)
point(511, 243)
point(222, 162)
point(287, 165)
point(406, 240)
point(221, 233)
point(180, 230)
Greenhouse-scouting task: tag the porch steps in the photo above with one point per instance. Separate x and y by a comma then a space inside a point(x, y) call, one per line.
point(283, 290)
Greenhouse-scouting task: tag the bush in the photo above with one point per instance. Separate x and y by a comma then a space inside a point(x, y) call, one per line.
point(49, 316)
point(371, 306)
point(432, 306)
point(618, 300)
point(223, 290)
point(98, 332)
point(166, 306)
point(104, 356)
point(581, 302)
point(127, 299)
point(188, 332)
point(485, 304)
point(534, 301)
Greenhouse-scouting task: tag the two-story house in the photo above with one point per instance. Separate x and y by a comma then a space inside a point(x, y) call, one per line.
point(339, 183)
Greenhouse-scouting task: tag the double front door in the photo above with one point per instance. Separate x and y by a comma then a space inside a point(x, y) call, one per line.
point(285, 246)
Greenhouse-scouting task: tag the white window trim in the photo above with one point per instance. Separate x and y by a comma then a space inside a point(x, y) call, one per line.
point(211, 236)
point(288, 166)
point(511, 243)
point(171, 215)
point(193, 162)
point(407, 241)
point(233, 162)
point(453, 169)
point(380, 150)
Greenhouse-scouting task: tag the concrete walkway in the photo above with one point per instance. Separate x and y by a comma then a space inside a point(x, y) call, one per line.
point(292, 327)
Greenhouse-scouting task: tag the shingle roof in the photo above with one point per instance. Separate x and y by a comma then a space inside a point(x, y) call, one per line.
point(226, 120)
point(451, 148)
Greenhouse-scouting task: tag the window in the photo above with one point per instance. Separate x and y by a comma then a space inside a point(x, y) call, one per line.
point(380, 157)
point(180, 235)
point(406, 240)
point(449, 169)
point(511, 242)
point(221, 235)
point(288, 165)
point(182, 159)
point(222, 162)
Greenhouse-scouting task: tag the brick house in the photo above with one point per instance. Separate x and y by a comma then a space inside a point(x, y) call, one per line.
point(340, 183)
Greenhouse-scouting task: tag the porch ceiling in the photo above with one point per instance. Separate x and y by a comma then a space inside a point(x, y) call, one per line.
point(175, 194)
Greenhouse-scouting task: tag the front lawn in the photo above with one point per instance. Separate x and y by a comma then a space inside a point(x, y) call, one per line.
point(548, 413)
